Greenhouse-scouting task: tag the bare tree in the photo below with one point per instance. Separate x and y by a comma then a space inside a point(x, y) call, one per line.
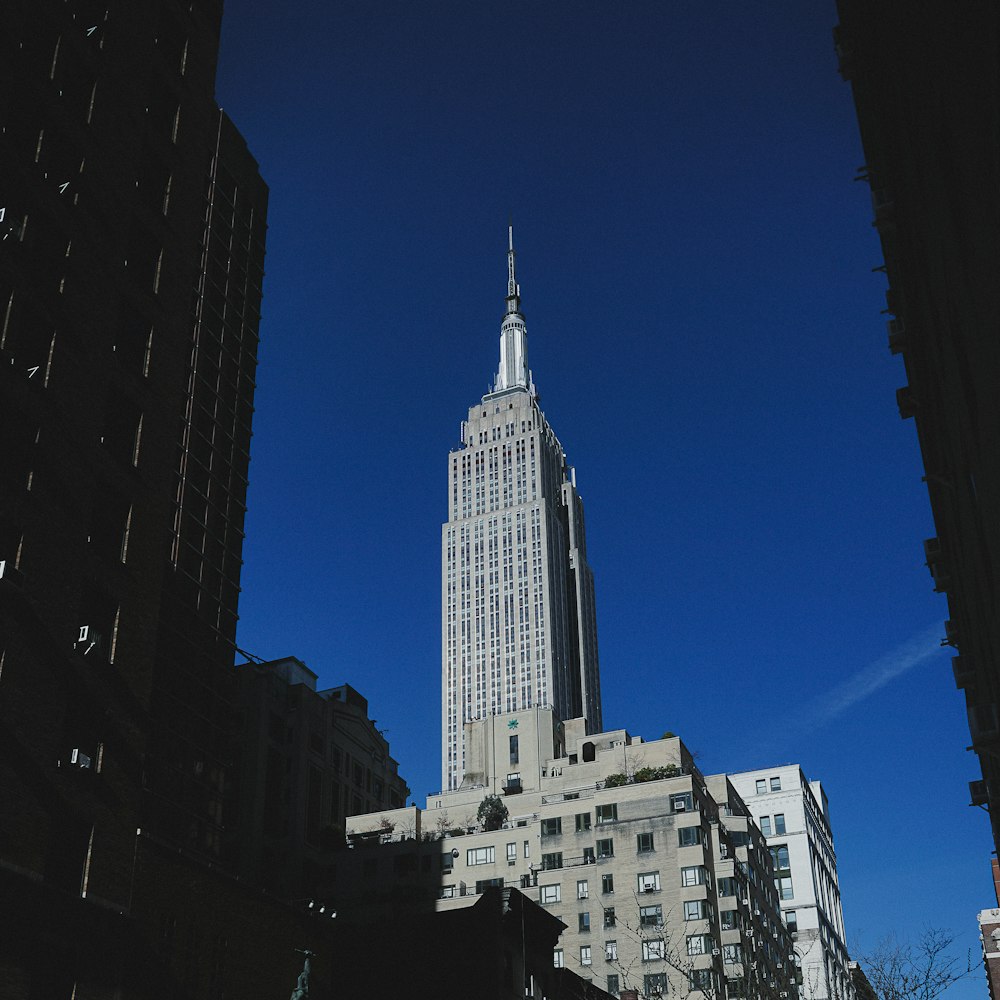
point(921, 970)
point(670, 947)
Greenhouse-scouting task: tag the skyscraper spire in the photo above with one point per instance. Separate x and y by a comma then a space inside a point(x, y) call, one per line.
point(513, 372)
point(513, 292)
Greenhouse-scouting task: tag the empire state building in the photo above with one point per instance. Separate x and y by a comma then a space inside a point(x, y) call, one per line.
point(518, 622)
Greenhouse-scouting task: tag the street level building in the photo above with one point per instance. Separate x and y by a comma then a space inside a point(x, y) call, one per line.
point(518, 622)
point(927, 97)
point(660, 874)
point(132, 227)
point(989, 936)
point(794, 816)
point(309, 758)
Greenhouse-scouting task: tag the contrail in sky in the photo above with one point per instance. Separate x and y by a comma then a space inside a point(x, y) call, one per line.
point(868, 680)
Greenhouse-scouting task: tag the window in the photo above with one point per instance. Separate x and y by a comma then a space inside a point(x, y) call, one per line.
point(776, 784)
point(779, 823)
point(735, 987)
point(527, 848)
point(582, 890)
point(588, 856)
point(609, 916)
point(551, 827)
point(643, 842)
point(610, 951)
point(689, 836)
point(483, 884)
point(681, 802)
point(791, 921)
point(607, 883)
point(728, 920)
point(447, 891)
point(779, 857)
point(550, 894)
point(727, 887)
point(702, 979)
point(513, 751)
point(655, 985)
point(607, 813)
point(613, 987)
point(651, 916)
point(585, 958)
point(606, 848)
point(512, 853)
point(480, 856)
point(557, 959)
point(693, 875)
point(583, 922)
point(551, 861)
point(731, 953)
point(761, 786)
point(649, 881)
point(765, 825)
point(696, 909)
point(653, 951)
point(699, 944)
point(447, 861)
point(582, 822)
point(784, 887)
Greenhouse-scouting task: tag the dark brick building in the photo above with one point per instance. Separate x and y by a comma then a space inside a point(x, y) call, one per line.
point(132, 226)
point(927, 94)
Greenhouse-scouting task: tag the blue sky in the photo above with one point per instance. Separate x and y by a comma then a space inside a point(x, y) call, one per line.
point(704, 327)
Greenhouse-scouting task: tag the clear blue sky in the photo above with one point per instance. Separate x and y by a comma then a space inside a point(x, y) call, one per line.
point(696, 268)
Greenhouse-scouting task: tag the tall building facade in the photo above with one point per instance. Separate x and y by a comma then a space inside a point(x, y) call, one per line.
point(518, 621)
point(132, 227)
point(926, 93)
point(794, 816)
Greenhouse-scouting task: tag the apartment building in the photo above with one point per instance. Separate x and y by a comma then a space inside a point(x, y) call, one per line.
point(793, 814)
point(660, 874)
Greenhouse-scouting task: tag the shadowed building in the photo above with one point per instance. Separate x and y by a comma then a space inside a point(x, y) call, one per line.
point(132, 226)
point(310, 758)
point(927, 95)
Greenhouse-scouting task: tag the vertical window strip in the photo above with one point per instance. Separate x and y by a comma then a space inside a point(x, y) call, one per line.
point(48, 360)
point(125, 533)
point(85, 877)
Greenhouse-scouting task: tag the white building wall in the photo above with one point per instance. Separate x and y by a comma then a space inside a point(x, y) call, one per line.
point(794, 816)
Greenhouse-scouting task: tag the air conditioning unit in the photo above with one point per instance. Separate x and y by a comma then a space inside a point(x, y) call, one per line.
point(680, 806)
point(716, 952)
point(79, 759)
point(756, 912)
point(783, 994)
point(90, 642)
point(649, 888)
point(753, 965)
point(745, 900)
